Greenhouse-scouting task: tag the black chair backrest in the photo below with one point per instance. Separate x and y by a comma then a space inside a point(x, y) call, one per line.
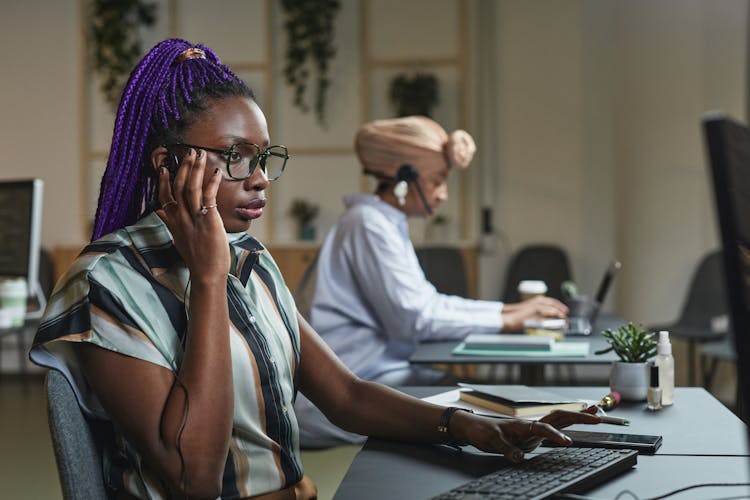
point(444, 267)
point(79, 460)
point(548, 263)
point(706, 297)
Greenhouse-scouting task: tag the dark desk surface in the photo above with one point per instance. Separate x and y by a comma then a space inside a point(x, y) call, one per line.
point(441, 352)
point(703, 443)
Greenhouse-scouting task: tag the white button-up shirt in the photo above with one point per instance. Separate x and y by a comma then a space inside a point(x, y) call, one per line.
point(370, 300)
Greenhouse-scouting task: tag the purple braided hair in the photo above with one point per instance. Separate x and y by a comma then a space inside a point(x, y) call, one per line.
point(164, 95)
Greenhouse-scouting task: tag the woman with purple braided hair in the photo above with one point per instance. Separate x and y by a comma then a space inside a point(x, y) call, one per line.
point(175, 327)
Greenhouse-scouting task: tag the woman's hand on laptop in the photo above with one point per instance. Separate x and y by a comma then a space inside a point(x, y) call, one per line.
point(536, 307)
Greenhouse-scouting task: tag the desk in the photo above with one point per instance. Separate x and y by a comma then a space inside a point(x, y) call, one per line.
point(532, 368)
point(703, 443)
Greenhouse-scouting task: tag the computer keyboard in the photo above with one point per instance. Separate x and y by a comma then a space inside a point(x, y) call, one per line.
point(561, 470)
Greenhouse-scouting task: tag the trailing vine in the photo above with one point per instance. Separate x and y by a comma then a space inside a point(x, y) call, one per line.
point(309, 26)
point(115, 40)
point(414, 96)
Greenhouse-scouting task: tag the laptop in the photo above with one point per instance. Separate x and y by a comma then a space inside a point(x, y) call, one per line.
point(583, 313)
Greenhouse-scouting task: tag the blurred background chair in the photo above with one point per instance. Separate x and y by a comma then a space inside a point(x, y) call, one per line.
point(548, 263)
point(444, 267)
point(712, 353)
point(705, 303)
point(79, 461)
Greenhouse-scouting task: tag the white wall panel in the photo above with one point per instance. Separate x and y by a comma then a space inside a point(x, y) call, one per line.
point(234, 29)
point(413, 29)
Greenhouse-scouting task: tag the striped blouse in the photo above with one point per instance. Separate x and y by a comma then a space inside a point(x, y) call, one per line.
point(128, 292)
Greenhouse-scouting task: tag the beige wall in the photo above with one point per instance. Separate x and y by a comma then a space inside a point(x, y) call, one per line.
point(39, 108)
point(591, 112)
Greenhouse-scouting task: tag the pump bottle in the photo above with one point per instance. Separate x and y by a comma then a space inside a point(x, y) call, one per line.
point(665, 362)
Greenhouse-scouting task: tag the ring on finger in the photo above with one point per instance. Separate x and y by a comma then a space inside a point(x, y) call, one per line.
point(205, 208)
point(170, 202)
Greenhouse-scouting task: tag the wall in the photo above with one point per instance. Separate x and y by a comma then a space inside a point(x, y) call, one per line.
point(40, 103)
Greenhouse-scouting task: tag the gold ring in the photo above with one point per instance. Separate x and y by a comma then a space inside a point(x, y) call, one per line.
point(204, 208)
point(170, 202)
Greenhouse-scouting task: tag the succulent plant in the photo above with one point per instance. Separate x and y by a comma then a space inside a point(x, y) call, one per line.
point(633, 344)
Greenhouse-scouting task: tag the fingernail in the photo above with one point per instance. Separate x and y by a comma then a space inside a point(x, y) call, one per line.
point(162, 170)
point(199, 153)
point(517, 455)
point(216, 171)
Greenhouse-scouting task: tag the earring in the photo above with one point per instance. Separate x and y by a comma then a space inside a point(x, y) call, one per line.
point(400, 191)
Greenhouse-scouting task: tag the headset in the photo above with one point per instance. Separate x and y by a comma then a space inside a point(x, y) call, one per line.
point(408, 174)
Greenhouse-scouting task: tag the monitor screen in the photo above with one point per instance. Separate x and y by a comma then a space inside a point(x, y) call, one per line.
point(20, 226)
point(728, 145)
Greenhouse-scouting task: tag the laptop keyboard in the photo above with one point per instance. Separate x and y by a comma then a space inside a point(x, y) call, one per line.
point(561, 470)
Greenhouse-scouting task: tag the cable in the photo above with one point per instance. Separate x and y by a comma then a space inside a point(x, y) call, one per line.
point(665, 495)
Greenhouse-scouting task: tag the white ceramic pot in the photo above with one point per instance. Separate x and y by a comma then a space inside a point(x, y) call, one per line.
point(630, 380)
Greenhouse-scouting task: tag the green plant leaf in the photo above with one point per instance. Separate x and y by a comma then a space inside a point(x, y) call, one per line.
point(631, 343)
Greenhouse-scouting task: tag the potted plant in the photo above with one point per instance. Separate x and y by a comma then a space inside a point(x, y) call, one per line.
point(635, 346)
point(310, 35)
point(414, 96)
point(304, 213)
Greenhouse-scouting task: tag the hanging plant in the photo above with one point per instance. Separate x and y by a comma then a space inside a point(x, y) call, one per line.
point(115, 40)
point(309, 28)
point(414, 96)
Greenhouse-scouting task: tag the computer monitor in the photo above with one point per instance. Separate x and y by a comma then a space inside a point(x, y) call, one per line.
point(20, 227)
point(728, 144)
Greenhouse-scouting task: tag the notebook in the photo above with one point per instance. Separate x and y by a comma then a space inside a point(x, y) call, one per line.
point(581, 323)
point(517, 400)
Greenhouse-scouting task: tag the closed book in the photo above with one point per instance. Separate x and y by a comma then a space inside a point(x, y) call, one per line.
point(517, 400)
point(508, 342)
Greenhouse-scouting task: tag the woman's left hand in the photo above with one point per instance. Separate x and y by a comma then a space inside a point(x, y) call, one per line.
point(513, 437)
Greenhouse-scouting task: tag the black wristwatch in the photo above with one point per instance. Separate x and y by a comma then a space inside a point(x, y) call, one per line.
point(444, 425)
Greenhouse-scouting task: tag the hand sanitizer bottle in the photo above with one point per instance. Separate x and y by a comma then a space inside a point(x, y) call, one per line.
point(665, 362)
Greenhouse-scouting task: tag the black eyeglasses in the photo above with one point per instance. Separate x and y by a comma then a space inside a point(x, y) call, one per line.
point(241, 159)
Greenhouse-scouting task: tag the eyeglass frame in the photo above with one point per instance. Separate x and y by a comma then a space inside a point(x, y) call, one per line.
point(258, 158)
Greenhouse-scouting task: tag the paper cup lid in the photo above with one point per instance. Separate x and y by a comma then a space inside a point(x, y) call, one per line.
point(532, 286)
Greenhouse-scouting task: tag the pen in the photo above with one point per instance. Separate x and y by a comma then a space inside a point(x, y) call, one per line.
point(614, 420)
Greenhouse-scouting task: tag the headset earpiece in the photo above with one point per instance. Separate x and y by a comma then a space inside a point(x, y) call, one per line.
point(404, 176)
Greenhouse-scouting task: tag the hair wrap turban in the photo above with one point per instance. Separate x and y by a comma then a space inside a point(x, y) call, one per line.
point(383, 146)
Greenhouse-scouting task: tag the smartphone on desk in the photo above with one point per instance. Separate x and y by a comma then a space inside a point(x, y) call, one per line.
point(644, 443)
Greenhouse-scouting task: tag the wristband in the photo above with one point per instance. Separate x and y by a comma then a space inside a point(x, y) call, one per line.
point(444, 425)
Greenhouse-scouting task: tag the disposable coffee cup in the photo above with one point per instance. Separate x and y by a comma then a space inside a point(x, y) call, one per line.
point(13, 296)
point(531, 288)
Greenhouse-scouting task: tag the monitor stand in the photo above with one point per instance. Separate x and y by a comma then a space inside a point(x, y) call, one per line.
point(36, 298)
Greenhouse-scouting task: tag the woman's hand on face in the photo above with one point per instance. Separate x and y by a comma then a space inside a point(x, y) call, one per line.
point(198, 232)
point(512, 437)
point(536, 307)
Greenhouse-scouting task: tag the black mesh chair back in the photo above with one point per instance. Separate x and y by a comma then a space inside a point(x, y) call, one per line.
point(79, 461)
point(444, 267)
point(548, 263)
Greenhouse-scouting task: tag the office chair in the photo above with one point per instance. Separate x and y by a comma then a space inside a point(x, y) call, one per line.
point(548, 263)
point(79, 460)
point(706, 300)
point(444, 267)
point(711, 353)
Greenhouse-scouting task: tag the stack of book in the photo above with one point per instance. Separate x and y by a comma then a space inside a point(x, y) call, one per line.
point(517, 400)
